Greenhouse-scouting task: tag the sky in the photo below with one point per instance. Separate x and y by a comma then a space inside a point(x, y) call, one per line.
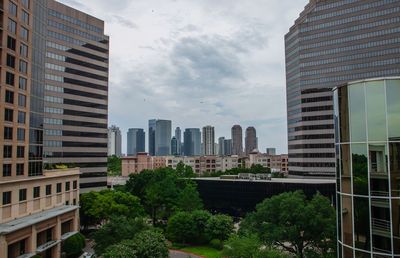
point(198, 63)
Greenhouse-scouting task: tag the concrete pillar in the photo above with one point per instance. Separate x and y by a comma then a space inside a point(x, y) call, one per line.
point(33, 240)
point(3, 246)
point(76, 222)
point(57, 236)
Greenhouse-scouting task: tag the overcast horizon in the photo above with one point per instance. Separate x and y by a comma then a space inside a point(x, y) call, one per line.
point(198, 63)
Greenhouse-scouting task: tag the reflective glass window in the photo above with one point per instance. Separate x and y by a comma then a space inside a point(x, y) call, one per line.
point(359, 157)
point(345, 168)
point(357, 113)
point(376, 111)
point(361, 223)
point(343, 109)
point(347, 220)
point(378, 169)
point(396, 225)
point(393, 108)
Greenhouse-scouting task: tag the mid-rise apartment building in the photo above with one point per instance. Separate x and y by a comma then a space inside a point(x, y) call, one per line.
point(277, 163)
point(141, 161)
point(208, 140)
point(332, 43)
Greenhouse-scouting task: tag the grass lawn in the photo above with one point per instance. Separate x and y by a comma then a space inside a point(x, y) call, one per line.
point(205, 251)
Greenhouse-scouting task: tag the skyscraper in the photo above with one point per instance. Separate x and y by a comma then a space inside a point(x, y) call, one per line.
point(221, 146)
point(192, 142)
point(250, 140)
point(160, 137)
point(228, 147)
point(237, 140)
point(152, 137)
point(114, 141)
point(368, 168)
point(136, 138)
point(76, 55)
point(208, 140)
point(174, 146)
point(330, 44)
point(178, 136)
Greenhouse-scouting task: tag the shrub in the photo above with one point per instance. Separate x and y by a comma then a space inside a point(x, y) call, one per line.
point(217, 244)
point(73, 246)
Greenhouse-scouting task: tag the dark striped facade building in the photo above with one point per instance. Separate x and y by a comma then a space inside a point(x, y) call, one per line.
point(331, 43)
point(76, 93)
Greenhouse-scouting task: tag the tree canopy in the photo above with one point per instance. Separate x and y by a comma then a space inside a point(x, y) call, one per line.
point(114, 165)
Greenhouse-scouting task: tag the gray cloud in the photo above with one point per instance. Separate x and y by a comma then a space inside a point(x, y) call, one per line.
point(124, 22)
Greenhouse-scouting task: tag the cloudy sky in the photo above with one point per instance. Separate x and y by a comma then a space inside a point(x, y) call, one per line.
point(198, 62)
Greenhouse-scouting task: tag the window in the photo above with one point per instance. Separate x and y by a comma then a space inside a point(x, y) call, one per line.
point(20, 169)
point(9, 97)
point(10, 78)
point(20, 151)
point(7, 170)
point(67, 203)
point(59, 187)
point(25, 17)
point(25, 3)
point(11, 43)
point(75, 184)
point(8, 114)
point(74, 201)
point(12, 8)
point(10, 61)
point(21, 100)
point(8, 133)
point(7, 151)
point(23, 66)
point(48, 189)
point(67, 186)
point(6, 198)
point(36, 192)
point(21, 134)
point(23, 49)
point(24, 33)
point(22, 195)
point(12, 26)
point(21, 117)
point(22, 83)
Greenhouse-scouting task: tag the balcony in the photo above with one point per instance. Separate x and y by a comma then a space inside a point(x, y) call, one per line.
point(47, 245)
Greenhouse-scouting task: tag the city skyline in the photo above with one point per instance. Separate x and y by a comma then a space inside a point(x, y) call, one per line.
point(246, 39)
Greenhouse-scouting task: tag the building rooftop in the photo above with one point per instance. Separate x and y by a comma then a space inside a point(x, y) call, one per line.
point(275, 180)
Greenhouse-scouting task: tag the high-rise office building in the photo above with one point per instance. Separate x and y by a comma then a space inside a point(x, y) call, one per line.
point(237, 140)
point(228, 147)
point(251, 142)
point(368, 168)
point(330, 44)
point(208, 140)
point(76, 53)
point(174, 146)
point(221, 146)
point(178, 136)
point(159, 137)
point(192, 142)
point(136, 141)
point(47, 52)
point(114, 141)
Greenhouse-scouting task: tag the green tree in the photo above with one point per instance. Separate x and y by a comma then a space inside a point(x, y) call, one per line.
point(259, 169)
point(200, 219)
point(116, 230)
point(289, 218)
point(125, 249)
point(189, 199)
point(181, 227)
point(150, 244)
point(114, 165)
point(219, 227)
point(73, 246)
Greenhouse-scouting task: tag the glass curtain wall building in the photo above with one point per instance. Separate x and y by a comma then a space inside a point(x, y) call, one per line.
point(331, 43)
point(367, 118)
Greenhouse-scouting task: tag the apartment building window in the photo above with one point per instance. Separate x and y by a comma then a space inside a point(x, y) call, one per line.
point(20, 169)
point(25, 17)
point(23, 49)
point(12, 26)
point(36, 192)
point(6, 198)
point(21, 100)
point(10, 61)
point(9, 97)
point(74, 201)
point(11, 43)
point(75, 184)
point(23, 66)
point(7, 170)
point(59, 187)
point(10, 78)
point(25, 3)
point(20, 151)
point(21, 117)
point(21, 134)
point(67, 186)
point(24, 33)
point(22, 83)
point(8, 133)
point(7, 151)
point(12, 8)
point(8, 114)
point(48, 189)
point(22, 195)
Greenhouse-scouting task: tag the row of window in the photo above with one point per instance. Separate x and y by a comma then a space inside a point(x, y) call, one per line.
point(309, 118)
point(310, 127)
point(312, 164)
point(74, 21)
point(55, 67)
point(11, 62)
point(53, 110)
point(36, 191)
point(53, 99)
point(8, 133)
point(351, 19)
point(12, 28)
point(10, 80)
point(9, 98)
point(8, 151)
point(53, 132)
point(12, 45)
point(52, 121)
point(9, 116)
point(54, 88)
point(312, 146)
point(70, 29)
point(7, 169)
point(52, 143)
point(325, 6)
point(309, 100)
point(75, 155)
point(13, 10)
point(312, 155)
point(74, 41)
